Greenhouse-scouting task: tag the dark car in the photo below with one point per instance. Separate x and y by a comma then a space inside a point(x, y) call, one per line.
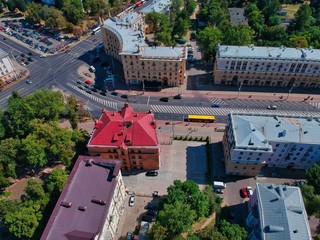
point(215, 105)
point(152, 213)
point(164, 99)
point(104, 93)
point(30, 59)
point(79, 81)
point(130, 235)
point(93, 89)
point(22, 55)
point(124, 96)
point(147, 219)
point(30, 53)
point(114, 93)
point(151, 206)
point(152, 173)
point(177, 96)
point(89, 91)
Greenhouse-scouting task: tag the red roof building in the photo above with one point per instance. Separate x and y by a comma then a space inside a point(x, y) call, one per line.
point(127, 136)
point(90, 204)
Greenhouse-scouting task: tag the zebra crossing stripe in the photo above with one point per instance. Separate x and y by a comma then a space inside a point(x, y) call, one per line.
point(109, 104)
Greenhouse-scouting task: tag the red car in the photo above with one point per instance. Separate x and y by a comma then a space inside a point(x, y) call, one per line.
point(243, 193)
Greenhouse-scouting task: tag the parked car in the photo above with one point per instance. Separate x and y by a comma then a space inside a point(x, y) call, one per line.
point(152, 173)
point(124, 96)
point(79, 81)
point(177, 96)
point(249, 191)
point(81, 87)
point(89, 90)
point(218, 190)
point(164, 99)
point(272, 107)
point(93, 89)
point(28, 81)
point(181, 40)
point(114, 93)
point(243, 193)
point(104, 93)
point(132, 200)
point(146, 218)
point(215, 105)
point(130, 235)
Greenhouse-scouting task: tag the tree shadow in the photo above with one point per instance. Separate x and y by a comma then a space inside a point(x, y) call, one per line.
point(197, 164)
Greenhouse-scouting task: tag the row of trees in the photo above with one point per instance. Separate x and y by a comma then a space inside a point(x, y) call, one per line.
point(176, 24)
point(185, 204)
point(26, 218)
point(30, 136)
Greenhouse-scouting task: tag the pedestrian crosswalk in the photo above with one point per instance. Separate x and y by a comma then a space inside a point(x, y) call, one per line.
point(224, 111)
point(109, 104)
point(217, 101)
point(315, 104)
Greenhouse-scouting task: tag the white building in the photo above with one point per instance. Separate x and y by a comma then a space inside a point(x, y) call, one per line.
point(91, 203)
point(277, 212)
point(7, 70)
point(267, 66)
point(252, 141)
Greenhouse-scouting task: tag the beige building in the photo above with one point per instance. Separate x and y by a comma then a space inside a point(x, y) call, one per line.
point(124, 39)
point(267, 66)
point(7, 70)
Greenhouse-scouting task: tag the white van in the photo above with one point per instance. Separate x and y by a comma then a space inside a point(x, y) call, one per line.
point(219, 185)
point(92, 69)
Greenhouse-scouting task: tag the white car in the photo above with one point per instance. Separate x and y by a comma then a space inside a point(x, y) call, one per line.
point(272, 107)
point(43, 56)
point(132, 200)
point(249, 191)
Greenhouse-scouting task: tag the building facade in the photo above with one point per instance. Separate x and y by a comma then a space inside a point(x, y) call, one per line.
point(128, 136)
point(267, 66)
point(7, 70)
point(277, 212)
point(86, 212)
point(253, 141)
point(124, 39)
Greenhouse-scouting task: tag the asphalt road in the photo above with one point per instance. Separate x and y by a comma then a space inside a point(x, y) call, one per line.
point(60, 71)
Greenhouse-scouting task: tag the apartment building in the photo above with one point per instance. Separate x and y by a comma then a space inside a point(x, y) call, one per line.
point(277, 212)
point(267, 66)
point(127, 136)
point(124, 39)
point(7, 70)
point(253, 141)
point(91, 203)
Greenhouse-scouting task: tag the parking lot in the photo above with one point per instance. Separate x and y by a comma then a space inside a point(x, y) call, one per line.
point(38, 38)
point(178, 161)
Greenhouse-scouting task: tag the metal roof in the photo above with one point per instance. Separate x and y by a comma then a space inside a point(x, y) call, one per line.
point(256, 130)
point(3, 53)
point(77, 215)
point(163, 52)
point(282, 213)
point(160, 6)
point(272, 53)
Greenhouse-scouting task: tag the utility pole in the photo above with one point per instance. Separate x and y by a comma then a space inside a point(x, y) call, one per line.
point(290, 90)
point(239, 90)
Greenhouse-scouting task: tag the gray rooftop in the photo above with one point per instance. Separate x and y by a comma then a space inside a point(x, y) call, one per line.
point(237, 16)
point(282, 213)
point(3, 53)
point(272, 53)
point(160, 6)
point(85, 183)
point(256, 130)
point(163, 52)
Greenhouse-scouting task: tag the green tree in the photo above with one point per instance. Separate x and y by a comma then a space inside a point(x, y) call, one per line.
point(238, 35)
point(214, 13)
point(274, 33)
point(34, 190)
point(256, 21)
point(232, 231)
point(191, 6)
point(56, 181)
point(22, 222)
point(177, 218)
point(313, 177)
point(160, 26)
point(208, 40)
point(181, 26)
point(11, 5)
point(213, 200)
point(4, 182)
point(313, 36)
point(158, 232)
point(2, 129)
point(72, 108)
point(33, 14)
point(9, 154)
point(73, 11)
point(33, 150)
point(56, 21)
point(271, 10)
point(302, 18)
point(211, 233)
point(298, 42)
point(59, 4)
point(21, 5)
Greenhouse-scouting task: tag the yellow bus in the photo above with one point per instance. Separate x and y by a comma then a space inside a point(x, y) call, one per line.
point(200, 118)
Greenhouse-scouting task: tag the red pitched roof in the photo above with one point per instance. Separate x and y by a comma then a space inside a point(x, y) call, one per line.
point(125, 127)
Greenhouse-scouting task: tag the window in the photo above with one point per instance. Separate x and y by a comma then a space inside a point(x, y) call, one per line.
point(110, 156)
point(300, 149)
point(133, 157)
point(277, 145)
point(140, 157)
point(244, 168)
point(260, 154)
point(239, 158)
point(241, 153)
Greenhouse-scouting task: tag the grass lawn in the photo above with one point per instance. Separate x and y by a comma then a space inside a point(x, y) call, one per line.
point(291, 9)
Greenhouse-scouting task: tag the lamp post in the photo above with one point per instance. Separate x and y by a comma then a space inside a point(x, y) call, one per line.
point(239, 90)
point(290, 90)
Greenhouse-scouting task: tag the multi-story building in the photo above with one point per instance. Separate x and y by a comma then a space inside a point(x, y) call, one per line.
point(127, 136)
point(91, 202)
point(267, 66)
point(7, 70)
point(253, 141)
point(124, 39)
point(277, 212)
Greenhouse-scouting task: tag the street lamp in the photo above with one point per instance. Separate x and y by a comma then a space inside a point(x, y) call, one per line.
point(239, 89)
point(290, 90)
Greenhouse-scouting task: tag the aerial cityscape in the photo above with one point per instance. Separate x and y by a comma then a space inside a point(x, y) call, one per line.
point(159, 119)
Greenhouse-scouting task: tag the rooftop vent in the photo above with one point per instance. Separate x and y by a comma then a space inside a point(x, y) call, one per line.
point(250, 142)
point(305, 132)
point(282, 134)
point(296, 210)
point(66, 204)
point(295, 231)
point(276, 118)
point(279, 190)
point(89, 163)
point(265, 141)
point(271, 186)
point(274, 228)
point(98, 201)
point(82, 208)
point(285, 188)
point(253, 129)
point(309, 119)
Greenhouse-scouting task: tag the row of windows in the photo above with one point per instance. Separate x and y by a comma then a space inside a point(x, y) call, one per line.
point(117, 157)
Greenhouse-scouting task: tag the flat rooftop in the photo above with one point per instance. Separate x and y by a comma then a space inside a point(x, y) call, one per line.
point(3, 53)
point(272, 53)
point(160, 6)
point(85, 183)
point(163, 52)
point(256, 131)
